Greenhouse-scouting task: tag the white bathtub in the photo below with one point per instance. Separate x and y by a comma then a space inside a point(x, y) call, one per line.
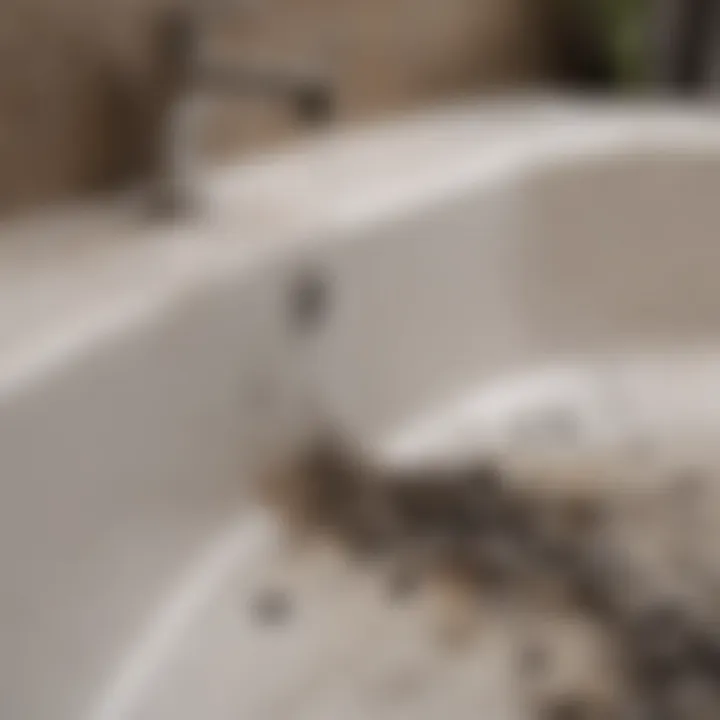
point(145, 371)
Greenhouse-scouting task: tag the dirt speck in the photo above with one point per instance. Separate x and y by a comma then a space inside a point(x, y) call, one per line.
point(272, 607)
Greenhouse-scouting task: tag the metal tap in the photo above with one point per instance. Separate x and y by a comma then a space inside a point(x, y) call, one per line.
point(185, 74)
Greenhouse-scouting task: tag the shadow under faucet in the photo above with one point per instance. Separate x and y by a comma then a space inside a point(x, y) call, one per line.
point(184, 73)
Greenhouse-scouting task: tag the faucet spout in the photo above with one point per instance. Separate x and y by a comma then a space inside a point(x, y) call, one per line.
point(311, 95)
point(185, 74)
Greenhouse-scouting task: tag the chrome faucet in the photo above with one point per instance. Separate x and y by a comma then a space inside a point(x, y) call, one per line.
point(185, 74)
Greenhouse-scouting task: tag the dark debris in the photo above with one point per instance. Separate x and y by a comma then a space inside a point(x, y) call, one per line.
point(474, 523)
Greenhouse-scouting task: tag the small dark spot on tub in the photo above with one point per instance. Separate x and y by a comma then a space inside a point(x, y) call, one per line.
point(272, 607)
point(403, 582)
point(308, 301)
point(534, 660)
point(597, 580)
point(584, 517)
